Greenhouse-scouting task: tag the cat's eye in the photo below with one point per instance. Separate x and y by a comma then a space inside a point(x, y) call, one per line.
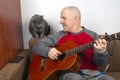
point(36, 22)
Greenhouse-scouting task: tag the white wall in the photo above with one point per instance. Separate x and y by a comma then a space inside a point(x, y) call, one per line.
point(98, 15)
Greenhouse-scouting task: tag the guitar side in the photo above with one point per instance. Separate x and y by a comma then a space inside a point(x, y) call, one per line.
point(51, 66)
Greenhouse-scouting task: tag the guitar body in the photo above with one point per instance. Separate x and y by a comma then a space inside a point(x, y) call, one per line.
point(53, 68)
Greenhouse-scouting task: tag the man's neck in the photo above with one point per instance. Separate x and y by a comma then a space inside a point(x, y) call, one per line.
point(77, 29)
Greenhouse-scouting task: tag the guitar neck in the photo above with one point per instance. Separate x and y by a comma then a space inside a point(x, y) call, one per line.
point(79, 49)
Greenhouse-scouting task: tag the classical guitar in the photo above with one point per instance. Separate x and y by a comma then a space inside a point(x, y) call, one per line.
point(65, 61)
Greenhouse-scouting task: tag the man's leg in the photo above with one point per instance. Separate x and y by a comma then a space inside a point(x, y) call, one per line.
point(105, 77)
point(71, 76)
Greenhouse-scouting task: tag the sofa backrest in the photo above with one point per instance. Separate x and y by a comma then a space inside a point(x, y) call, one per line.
point(114, 59)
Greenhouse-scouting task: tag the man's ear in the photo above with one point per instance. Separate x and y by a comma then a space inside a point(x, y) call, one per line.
point(76, 18)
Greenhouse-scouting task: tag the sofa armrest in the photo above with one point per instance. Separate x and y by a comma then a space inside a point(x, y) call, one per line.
point(16, 70)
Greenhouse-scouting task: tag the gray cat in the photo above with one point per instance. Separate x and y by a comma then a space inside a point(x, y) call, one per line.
point(38, 27)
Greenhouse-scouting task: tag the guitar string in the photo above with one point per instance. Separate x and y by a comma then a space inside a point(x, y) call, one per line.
point(79, 49)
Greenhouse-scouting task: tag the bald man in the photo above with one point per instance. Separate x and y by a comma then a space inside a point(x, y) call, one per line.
point(73, 31)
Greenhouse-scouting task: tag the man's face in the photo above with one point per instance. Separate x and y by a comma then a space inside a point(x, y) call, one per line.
point(67, 20)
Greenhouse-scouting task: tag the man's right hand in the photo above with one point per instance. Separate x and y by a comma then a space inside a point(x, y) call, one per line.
point(54, 53)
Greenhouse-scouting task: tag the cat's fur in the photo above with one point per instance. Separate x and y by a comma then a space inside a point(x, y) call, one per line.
point(38, 26)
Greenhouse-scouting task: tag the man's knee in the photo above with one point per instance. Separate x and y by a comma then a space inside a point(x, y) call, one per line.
point(71, 76)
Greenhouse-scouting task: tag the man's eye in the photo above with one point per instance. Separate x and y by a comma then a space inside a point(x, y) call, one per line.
point(63, 17)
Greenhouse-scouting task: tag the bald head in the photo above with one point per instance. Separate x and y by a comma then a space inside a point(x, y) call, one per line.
point(74, 11)
point(70, 19)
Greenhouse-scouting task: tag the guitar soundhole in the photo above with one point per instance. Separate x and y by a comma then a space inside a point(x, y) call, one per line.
point(62, 56)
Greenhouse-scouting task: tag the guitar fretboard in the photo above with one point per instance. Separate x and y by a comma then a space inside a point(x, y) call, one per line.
point(79, 49)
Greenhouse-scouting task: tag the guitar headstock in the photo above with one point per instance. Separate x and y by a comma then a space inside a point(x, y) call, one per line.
point(115, 36)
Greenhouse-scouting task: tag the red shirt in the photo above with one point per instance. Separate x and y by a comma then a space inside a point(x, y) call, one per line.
point(81, 39)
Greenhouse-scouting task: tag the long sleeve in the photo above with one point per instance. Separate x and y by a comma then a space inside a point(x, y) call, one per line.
point(43, 46)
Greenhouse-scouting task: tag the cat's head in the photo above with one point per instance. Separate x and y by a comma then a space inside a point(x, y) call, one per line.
point(37, 20)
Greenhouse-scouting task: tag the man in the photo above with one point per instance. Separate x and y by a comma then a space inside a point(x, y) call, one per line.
point(73, 31)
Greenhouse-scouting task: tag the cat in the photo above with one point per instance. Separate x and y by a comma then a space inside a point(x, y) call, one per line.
point(38, 27)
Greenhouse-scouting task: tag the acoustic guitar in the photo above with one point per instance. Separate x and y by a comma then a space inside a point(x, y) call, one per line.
point(47, 69)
